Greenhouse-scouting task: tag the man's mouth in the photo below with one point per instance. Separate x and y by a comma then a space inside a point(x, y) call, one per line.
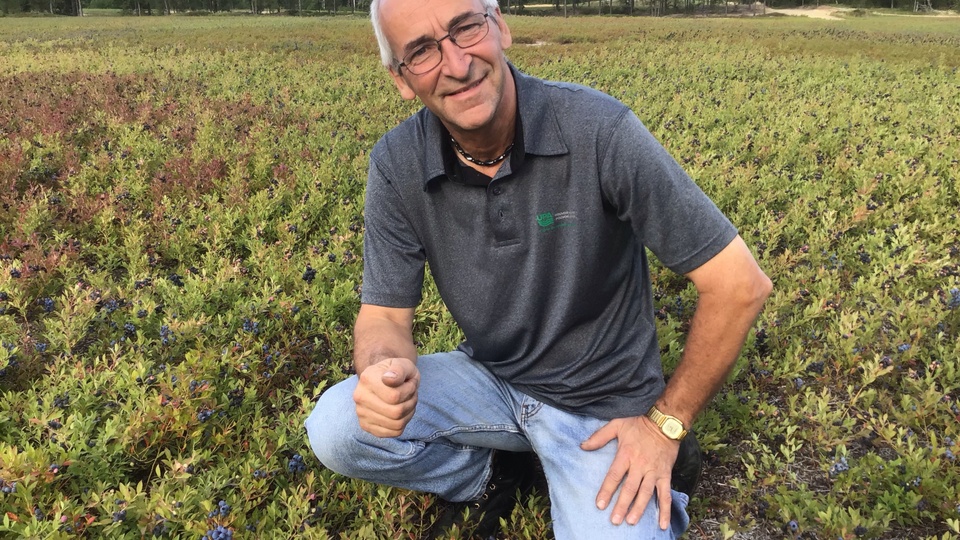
point(467, 88)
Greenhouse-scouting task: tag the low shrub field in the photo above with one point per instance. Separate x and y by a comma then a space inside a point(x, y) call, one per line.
point(180, 260)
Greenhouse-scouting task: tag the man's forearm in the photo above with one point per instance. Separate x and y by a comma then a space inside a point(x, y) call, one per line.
point(718, 330)
point(377, 337)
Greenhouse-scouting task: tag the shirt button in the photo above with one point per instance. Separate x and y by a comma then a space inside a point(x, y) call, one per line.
point(497, 190)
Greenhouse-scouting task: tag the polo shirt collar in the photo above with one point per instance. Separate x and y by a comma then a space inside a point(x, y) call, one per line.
point(537, 123)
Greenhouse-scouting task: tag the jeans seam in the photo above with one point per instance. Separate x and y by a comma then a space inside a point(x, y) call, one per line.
point(508, 428)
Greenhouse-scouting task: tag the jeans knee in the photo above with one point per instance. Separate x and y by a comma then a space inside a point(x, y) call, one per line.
point(332, 425)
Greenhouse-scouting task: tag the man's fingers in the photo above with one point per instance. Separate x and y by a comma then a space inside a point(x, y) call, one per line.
point(630, 489)
point(665, 504)
point(600, 437)
point(386, 396)
point(611, 481)
point(396, 371)
point(386, 420)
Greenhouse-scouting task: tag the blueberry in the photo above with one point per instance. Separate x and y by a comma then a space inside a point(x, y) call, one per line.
point(839, 467)
point(309, 274)
point(252, 327)
point(219, 533)
point(54, 424)
point(296, 465)
point(954, 301)
point(793, 526)
point(47, 304)
point(119, 516)
point(15, 273)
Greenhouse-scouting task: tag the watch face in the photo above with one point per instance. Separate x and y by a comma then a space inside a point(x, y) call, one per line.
point(672, 428)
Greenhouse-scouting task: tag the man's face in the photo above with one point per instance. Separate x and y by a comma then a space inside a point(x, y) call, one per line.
point(465, 91)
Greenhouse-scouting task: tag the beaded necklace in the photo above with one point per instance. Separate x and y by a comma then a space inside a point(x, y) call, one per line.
point(481, 162)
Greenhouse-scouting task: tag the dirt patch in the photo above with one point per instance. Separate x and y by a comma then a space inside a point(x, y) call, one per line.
point(817, 12)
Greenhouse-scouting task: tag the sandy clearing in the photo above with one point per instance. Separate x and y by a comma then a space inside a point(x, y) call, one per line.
point(818, 12)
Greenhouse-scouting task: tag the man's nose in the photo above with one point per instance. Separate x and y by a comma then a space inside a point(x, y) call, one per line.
point(456, 61)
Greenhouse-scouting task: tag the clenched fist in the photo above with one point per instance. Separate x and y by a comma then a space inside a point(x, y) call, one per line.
point(386, 396)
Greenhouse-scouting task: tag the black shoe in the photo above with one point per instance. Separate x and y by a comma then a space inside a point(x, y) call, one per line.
point(514, 475)
point(686, 471)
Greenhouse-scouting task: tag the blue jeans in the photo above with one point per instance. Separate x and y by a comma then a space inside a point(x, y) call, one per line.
point(463, 412)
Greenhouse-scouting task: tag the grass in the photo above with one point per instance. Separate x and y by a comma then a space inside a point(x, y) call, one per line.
point(180, 207)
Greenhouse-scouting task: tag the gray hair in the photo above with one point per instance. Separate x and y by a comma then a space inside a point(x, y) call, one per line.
point(386, 54)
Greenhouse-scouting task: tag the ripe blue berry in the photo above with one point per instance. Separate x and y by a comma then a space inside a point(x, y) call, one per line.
point(219, 533)
point(252, 327)
point(839, 467)
point(296, 465)
point(47, 304)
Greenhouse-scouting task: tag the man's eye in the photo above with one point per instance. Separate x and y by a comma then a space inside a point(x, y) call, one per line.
point(418, 53)
point(467, 28)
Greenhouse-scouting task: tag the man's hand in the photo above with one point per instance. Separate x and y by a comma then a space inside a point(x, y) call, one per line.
point(644, 459)
point(386, 396)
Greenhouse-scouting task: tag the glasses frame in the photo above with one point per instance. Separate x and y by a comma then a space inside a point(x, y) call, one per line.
point(404, 63)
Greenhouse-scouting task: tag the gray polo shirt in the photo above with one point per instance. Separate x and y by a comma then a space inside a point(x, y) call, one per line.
point(544, 268)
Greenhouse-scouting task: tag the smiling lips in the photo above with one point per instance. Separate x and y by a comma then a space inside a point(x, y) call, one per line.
point(466, 88)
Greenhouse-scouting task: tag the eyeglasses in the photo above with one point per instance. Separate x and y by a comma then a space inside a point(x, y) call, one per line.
point(427, 56)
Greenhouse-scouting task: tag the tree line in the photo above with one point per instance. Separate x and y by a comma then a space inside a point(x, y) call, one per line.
point(531, 7)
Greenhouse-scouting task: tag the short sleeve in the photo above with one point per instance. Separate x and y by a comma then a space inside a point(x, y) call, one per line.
point(667, 211)
point(393, 256)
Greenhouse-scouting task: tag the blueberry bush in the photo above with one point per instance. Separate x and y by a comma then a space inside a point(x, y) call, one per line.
point(180, 261)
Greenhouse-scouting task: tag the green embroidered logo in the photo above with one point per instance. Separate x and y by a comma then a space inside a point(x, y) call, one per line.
point(548, 221)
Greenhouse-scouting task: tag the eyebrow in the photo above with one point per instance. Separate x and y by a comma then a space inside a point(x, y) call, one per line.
point(413, 44)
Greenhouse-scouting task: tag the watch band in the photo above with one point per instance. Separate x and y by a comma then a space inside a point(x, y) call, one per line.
point(671, 426)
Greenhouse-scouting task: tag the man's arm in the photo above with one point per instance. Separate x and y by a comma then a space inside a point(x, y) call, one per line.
point(386, 362)
point(732, 289)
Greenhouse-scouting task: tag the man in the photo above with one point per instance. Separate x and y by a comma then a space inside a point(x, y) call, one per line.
point(533, 203)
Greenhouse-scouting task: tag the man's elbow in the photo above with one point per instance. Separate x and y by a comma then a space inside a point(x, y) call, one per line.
point(757, 289)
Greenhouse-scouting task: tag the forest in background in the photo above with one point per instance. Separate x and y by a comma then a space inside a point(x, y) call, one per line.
point(516, 7)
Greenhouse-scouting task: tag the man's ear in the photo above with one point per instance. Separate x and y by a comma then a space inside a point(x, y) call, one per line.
point(406, 92)
point(505, 38)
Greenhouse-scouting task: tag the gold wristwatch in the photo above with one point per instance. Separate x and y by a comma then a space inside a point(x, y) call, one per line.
point(671, 426)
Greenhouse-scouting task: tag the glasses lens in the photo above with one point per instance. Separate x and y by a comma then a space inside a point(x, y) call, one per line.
point(423, 58)
point(466, 34)
point(470, 31)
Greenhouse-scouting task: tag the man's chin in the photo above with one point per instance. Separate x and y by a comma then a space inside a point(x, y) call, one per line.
point(473, 119)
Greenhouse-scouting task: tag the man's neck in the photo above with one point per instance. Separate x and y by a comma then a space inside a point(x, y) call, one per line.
point(491, 141)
